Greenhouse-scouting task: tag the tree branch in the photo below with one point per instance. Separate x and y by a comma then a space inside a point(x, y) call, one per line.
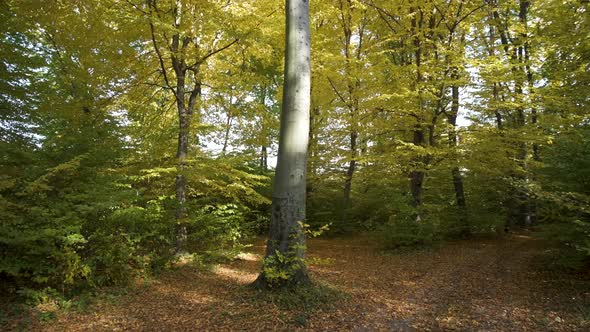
point(160, 57)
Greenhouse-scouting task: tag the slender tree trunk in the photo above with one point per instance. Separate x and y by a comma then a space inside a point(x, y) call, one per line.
point(417, 175)
point(185, 117)
point(263, 148)
point(517, 205)
point(263, 159)
point(455, 172)
point(523, 199)
point(227, 131)
point(419, 138)
point(351, 100)
point(311, 150)
point(187, 95)
point(228, 123)
point(524, 9)
point(496, 98)
point(184, 122)
point(286, 244)
point(348, 180)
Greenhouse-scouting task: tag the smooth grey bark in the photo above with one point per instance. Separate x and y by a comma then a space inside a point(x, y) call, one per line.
point(287, 237)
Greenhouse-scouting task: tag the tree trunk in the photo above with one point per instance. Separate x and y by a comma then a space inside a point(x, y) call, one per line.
point(312, 150)
point(263, 159)
point(417, 175)
point(228, 123)
point(419, 139)
point(348, 179)
point(184, 124)
point(522, 200)
point(176, 48)
point(226, 136)
point(524, 8)
point(455, 172)
point(286, 244)
point(263, 148)
point(518, 204)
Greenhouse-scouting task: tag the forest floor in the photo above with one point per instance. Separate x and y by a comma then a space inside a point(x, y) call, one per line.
point(485, 285)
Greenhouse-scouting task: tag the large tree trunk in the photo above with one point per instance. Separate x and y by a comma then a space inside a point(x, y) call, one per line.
point(286, 244)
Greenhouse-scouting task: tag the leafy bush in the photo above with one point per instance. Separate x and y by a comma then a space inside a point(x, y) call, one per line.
point(219, 227)
point(76, 224)
point(564, 199)
point(399, 233)
point(568, 244)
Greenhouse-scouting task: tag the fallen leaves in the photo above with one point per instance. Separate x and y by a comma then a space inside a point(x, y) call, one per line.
point(486, 286)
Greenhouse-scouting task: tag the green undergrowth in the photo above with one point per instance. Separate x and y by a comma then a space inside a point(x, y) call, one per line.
point(27, 305)
point(567, 245)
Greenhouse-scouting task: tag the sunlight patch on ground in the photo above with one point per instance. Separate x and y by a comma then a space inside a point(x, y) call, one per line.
point(240, 276)
point(247, 256)
point(200, 299)
point(400, 307)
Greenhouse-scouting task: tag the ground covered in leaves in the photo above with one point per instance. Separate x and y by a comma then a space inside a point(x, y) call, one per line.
point(486, 285)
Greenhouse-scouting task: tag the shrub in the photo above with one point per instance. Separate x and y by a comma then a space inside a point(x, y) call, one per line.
point(405, 232)
point(568, 244)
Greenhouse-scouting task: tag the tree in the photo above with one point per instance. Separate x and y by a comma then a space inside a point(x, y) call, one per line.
point(283, 264)
point(188, 44)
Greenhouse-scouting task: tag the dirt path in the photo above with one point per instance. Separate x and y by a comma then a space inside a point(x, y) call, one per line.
point(489, 285)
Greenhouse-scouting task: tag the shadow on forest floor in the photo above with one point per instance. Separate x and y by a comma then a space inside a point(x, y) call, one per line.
point(488, 285)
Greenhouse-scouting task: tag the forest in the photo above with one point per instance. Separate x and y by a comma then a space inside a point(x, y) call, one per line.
point(260, 165)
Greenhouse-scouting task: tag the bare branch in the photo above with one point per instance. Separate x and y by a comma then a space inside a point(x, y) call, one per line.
point(159, 53)
point(221, 49)
point(337, 92)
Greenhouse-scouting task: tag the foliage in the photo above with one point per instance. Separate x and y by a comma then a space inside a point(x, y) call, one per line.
point(564, 192)
point(282, 269)
point(569, 245)
point(406, 233)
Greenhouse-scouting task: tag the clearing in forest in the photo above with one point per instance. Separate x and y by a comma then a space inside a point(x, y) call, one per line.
point(486, 285)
